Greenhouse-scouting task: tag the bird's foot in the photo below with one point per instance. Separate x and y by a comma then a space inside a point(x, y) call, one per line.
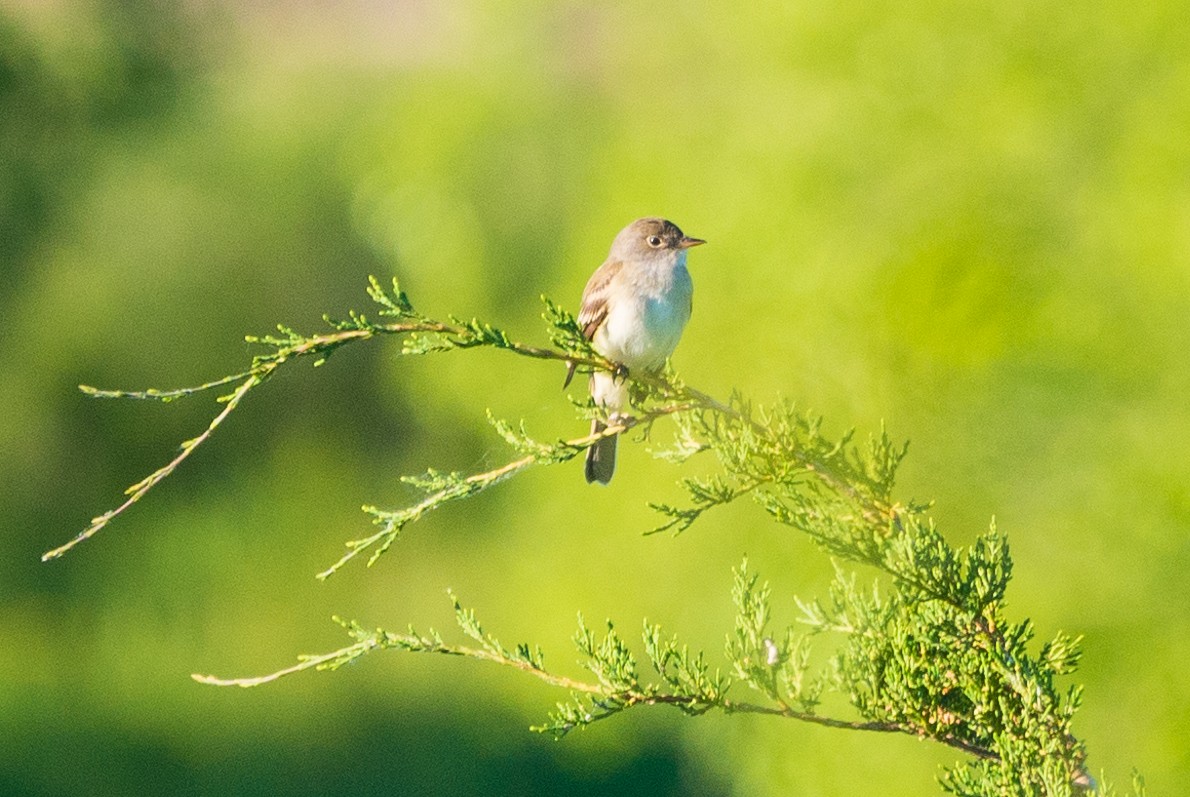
point(621, 419)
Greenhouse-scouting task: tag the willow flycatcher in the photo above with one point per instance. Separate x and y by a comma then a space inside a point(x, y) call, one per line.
point(634, 309)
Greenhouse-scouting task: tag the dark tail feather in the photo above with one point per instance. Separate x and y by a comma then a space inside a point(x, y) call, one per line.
point(601, 457)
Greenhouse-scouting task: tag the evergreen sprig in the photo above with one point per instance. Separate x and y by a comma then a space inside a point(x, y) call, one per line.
point(421, 335)
point(924, 649)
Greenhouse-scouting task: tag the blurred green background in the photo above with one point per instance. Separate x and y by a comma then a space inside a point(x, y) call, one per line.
point(970, 220)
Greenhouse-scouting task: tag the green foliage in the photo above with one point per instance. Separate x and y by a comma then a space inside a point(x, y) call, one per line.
point(776, 669)
point(926, 651)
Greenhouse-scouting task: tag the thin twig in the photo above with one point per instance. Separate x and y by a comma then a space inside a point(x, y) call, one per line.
point(138, 490)
point(393, 521)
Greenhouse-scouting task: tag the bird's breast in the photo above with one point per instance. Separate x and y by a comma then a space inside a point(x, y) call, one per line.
point(643, 327)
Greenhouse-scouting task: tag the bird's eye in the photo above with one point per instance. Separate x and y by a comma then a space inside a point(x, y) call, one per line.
point(654, 241)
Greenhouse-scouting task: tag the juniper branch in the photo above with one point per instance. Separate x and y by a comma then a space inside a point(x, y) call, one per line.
point(445, 488)
point(422, 336)
point(591, 701)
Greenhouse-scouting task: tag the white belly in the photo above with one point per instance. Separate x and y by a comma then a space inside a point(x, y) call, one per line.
point(643, 331)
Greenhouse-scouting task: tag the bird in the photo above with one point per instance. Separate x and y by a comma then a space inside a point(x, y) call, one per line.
point(633, 311)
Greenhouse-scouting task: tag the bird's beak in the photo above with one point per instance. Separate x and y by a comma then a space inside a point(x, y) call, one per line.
point(688, 242)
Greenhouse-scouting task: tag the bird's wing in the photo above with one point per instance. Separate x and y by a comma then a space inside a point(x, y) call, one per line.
point(594, 305)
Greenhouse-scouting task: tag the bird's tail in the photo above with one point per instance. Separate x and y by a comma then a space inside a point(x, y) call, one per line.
point(601, 457)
